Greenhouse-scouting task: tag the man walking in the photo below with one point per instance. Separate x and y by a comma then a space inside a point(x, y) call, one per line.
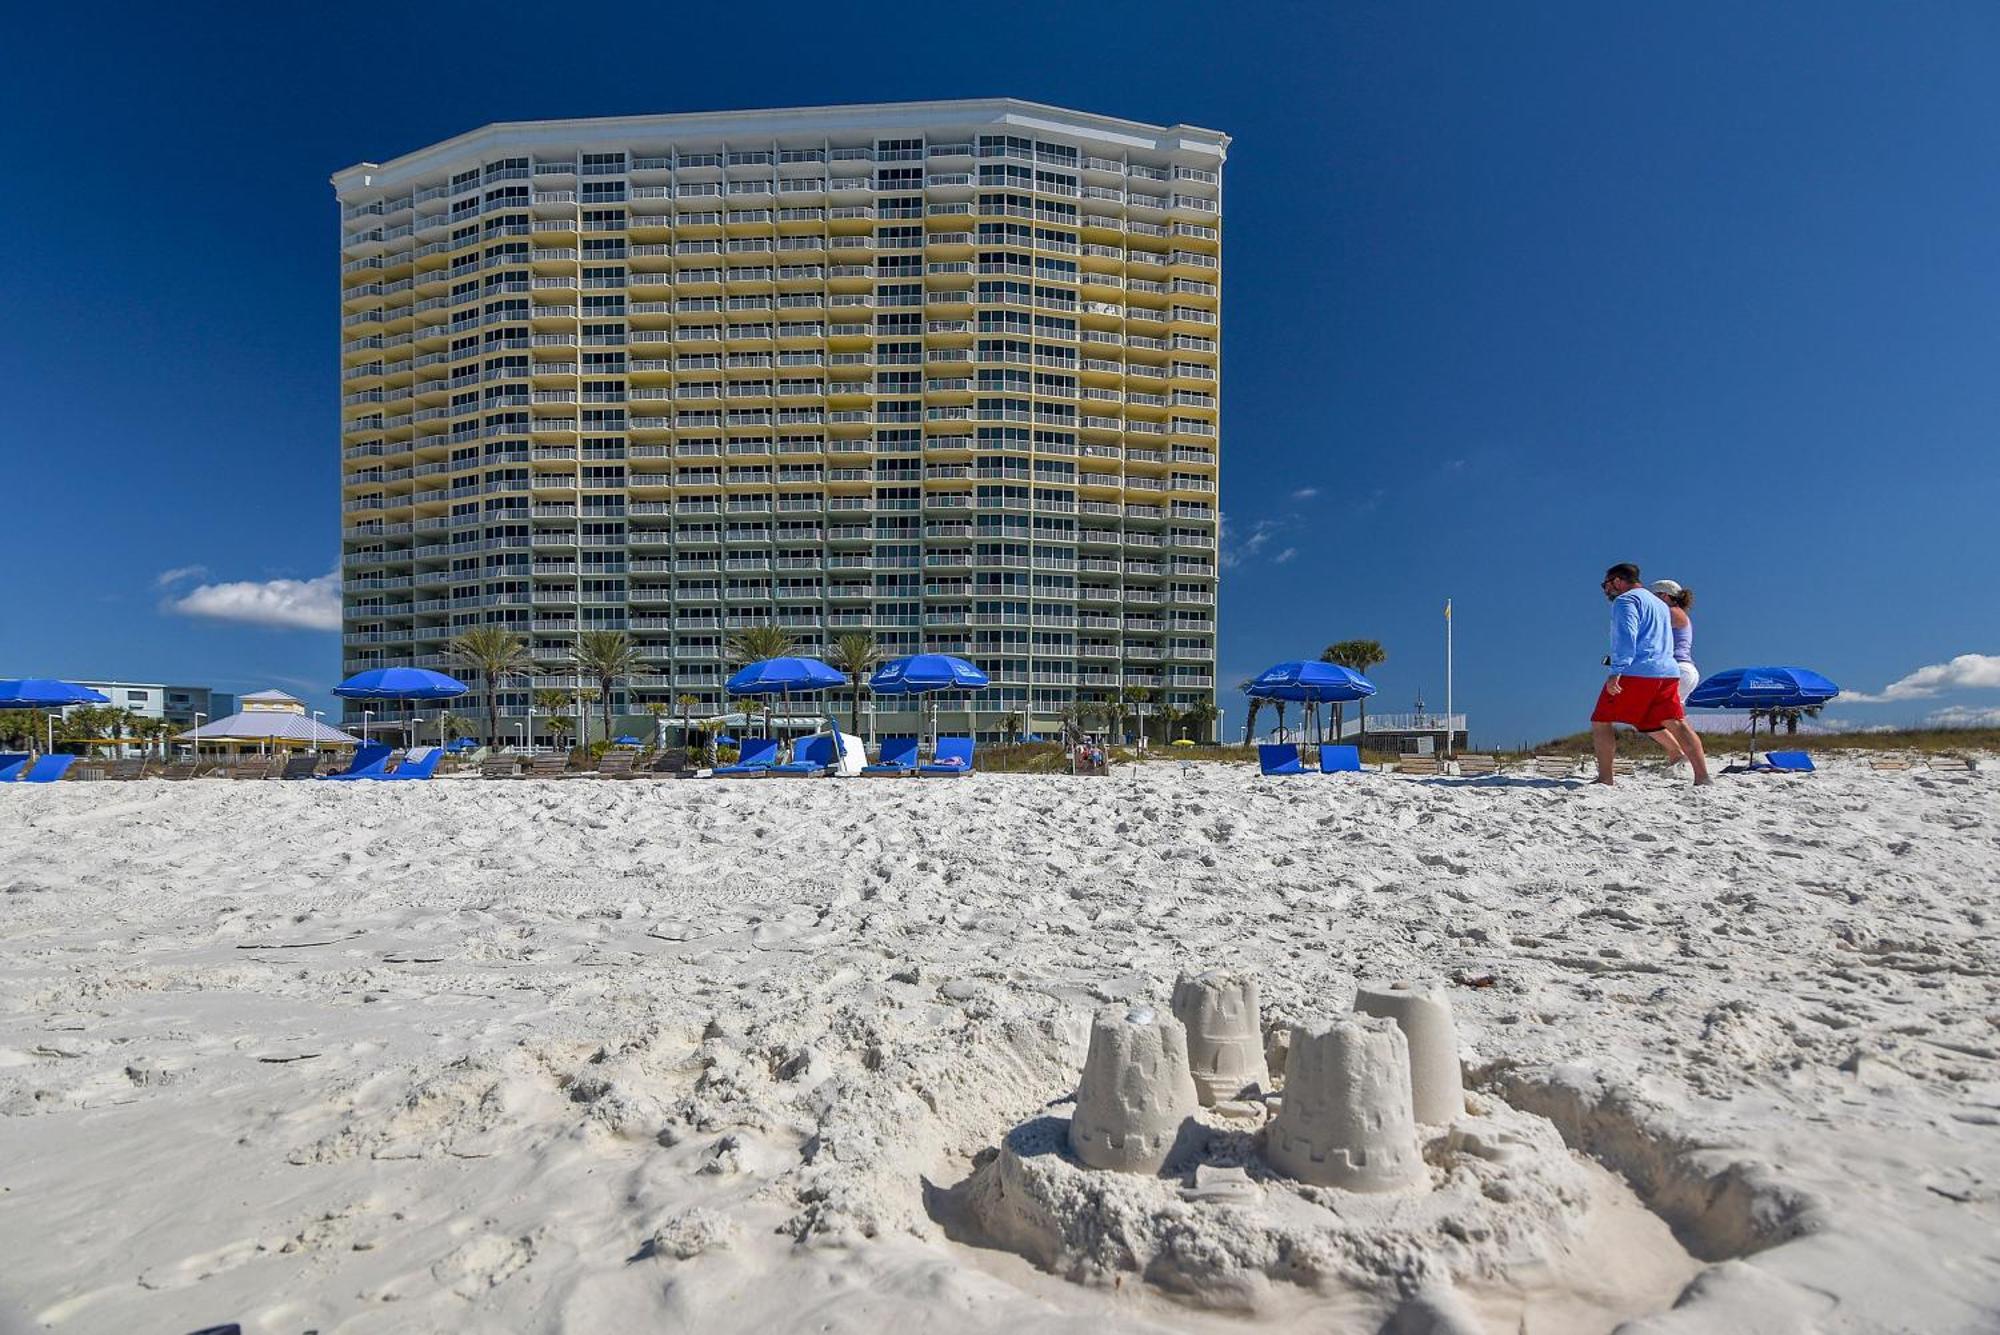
point(1644, 687)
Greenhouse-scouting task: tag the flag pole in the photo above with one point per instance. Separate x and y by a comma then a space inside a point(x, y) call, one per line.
point(1447, 676)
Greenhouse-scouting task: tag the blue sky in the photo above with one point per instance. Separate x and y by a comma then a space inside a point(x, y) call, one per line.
point(1512, 292)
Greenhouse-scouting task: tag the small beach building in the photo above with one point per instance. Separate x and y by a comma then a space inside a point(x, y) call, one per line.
point(269, 720)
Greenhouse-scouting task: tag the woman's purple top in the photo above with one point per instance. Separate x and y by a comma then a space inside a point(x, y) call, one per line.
point(1684, 643)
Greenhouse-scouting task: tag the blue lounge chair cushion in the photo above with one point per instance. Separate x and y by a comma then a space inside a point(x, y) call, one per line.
point(759, 754)
point(12, 764)
point(899, 756)
point(416, 765)
point(954, 756)
point(48, 769)
point(370, 760)
point(815, 756)
point(1340, 760)
point(1791, 762)
point(1279, 758)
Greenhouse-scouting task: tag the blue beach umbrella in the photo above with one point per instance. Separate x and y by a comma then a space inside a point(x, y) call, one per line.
point(627, 740)
point(784, 676)
point(1762, 688)
point(1311, 682)
point(928, 674)
point(46, 693)
point(401, 683)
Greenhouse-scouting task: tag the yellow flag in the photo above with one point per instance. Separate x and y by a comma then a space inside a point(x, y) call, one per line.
point(1447, 609)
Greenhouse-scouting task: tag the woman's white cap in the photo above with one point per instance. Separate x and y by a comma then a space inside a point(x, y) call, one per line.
point(1665, 588)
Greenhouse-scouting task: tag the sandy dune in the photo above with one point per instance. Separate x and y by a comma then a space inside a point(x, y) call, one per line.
point(592, 1056)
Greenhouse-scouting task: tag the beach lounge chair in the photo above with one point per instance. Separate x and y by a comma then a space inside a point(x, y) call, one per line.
point(419, 764)
point(954, 756)
point(899, 756)
point(1788, 762)
point(1339, 759)
point(617, 765)
point(1951, 765)
point(371, 761)
point(757, 757)
point(300, 766)
point(255, 767)
point(500, 767)
point(547, 765)
point(1888, 762)
point(1419, 767)
point(670, 760)
point(13, 764)
point(1623, 767)
point(1477, 766)
point(1278, 758)
point(48, 769)
point(1555, 767)
point(815, 757)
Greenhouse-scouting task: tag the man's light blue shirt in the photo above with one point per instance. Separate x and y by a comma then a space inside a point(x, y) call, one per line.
point(1642, 636)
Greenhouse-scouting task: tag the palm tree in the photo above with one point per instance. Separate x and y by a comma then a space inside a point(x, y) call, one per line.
point(1010, 726)
point(586, 696)
point(550, 703)
point(754, 644)
point(606, 655)
point(1200, 716)
point(452, 726)
point(1360, 656)
point(856, 654)
point(495, 653)
point(1256, 706)
point(687, 702)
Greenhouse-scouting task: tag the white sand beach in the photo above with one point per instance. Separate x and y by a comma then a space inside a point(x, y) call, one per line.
point(591, 1056)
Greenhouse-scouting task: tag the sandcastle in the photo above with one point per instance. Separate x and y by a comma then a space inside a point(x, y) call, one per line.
point(1346, 1119)
point(1356, 1087)
point(1224, 1037)
point(1136, 1093)
point(1423, 1012)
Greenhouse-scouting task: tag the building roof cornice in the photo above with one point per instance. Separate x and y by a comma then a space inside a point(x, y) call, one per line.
point(876, 116)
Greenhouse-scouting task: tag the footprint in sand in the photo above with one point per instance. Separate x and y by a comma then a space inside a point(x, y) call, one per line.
point(202, 1265)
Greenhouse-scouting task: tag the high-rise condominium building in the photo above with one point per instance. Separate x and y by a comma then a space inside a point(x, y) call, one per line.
point(944, 372)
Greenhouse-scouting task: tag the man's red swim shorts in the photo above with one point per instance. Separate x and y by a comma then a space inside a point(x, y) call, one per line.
point(1647, 703)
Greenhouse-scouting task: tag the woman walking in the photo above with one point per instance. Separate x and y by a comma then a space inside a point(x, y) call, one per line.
point(1681, 628)
point(1678, 601)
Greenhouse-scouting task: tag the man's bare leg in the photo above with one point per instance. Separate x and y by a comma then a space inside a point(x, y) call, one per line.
point(1675, 752)
point(1690, 744)
point(1605, 742)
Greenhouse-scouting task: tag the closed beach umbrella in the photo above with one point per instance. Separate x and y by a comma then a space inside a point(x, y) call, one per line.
point(48, 694)
point(401, 683)
point(784, 677)
point(928, 674)
point(1762, 688)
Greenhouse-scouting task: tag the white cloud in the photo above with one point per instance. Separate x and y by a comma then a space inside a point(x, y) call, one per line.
point(177, 574)
point(308, 604)
point(1963, 716)
point(1305, 493)
point(1965, 672)
point(1285, 556)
